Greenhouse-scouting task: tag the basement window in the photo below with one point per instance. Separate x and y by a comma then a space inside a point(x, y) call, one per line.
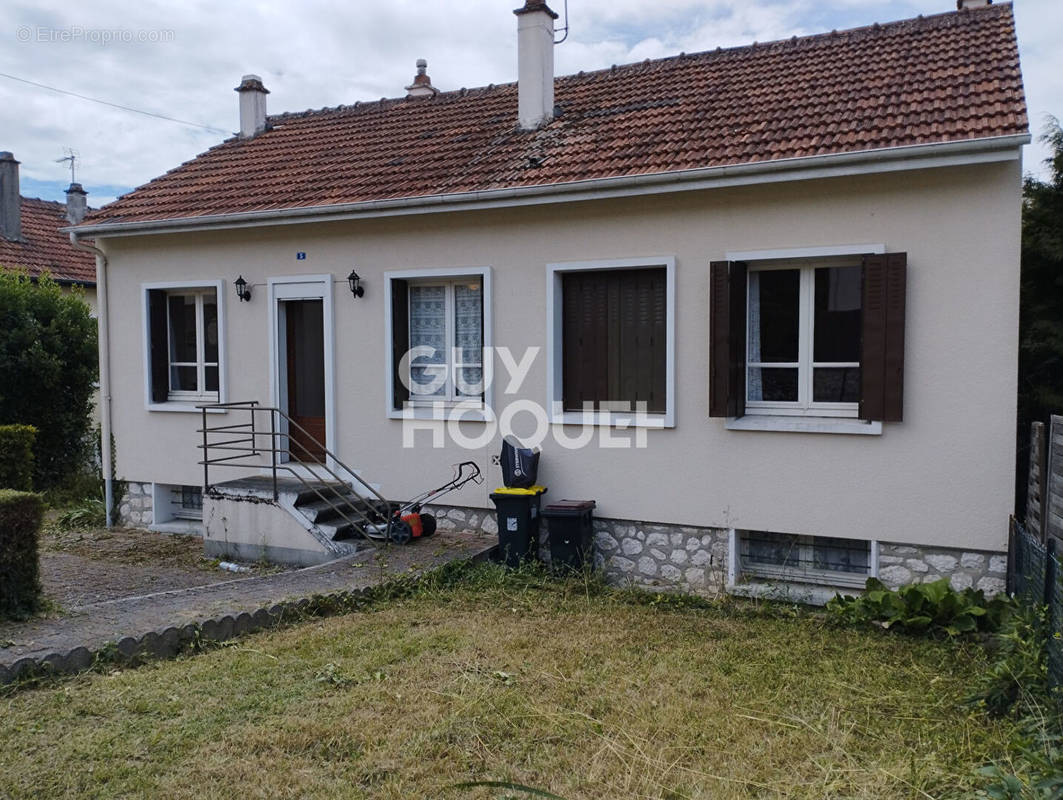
point(187, 502)
point(809, 559)
point(176, 505)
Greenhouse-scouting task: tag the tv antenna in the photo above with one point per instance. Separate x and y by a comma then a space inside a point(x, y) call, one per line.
point(563, 30)
point(72, 156)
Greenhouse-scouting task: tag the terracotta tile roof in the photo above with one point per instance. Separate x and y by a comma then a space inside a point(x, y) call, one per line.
point(44, 248)
point(943, 78)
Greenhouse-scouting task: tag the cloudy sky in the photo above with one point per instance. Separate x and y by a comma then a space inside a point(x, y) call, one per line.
point(182, 60)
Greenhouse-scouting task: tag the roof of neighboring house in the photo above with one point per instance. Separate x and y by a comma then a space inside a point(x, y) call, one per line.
point(44, 248)
point(946, 78)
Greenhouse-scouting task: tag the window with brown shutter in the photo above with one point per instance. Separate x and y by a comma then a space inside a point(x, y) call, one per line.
point(614, 334)
point(882, 356)
point(808, 337)
point(727, 327)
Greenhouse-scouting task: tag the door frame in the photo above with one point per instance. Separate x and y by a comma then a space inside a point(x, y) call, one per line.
point(303, 287)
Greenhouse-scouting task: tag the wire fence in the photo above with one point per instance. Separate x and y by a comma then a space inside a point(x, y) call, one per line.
point(1034, 577)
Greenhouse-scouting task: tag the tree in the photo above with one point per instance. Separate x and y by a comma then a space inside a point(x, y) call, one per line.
point(1041, 326)
point(1041, 300)
point(48, 367)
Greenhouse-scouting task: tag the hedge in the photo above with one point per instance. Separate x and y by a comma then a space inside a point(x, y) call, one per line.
point(16, 456)
point(48, 364)
point(20, 523)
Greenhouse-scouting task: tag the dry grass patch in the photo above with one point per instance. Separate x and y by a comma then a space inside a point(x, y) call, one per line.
point(580, 692)
point(128, 546)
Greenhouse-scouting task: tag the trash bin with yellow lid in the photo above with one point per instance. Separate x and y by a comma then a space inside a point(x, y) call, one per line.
point(518, 523)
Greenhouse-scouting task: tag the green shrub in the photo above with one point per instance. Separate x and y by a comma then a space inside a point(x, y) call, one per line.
point(90, 513)
point(922, 608)
point(48, 365)
point(20, 524)
point(16, 457)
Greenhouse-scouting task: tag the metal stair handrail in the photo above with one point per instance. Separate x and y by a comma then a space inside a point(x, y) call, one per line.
point(246, 451)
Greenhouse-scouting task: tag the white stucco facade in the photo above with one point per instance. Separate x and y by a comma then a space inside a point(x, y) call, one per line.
point(942, 477)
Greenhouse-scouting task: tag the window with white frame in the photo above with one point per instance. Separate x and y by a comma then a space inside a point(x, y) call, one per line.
point(437, 338)
point(183, 347)
point(192, 332)
point(804, 339)
point(611, 342)
point(816, 559)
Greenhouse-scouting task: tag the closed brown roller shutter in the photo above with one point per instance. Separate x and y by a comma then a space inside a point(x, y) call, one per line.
point(614, 330)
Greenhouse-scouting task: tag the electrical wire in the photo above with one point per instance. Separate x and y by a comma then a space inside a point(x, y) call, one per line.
point(113, 105)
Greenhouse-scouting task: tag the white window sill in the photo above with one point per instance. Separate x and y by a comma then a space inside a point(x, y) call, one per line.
point(178, 527)
point(764, 422)
point(621, 420)
point(444, 412)
point(806, 594)
point(185, 408)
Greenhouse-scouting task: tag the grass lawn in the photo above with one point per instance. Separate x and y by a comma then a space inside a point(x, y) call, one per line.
point(581, 691)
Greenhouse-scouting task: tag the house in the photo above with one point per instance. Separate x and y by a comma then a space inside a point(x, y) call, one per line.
point(32, 238)
point(760, 303)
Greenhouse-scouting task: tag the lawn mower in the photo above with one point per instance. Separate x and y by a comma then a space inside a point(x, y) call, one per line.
point(407, 521)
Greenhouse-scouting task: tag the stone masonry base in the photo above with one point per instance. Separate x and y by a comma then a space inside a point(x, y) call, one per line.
point(697, 560)
point(135, 510)
point(685, 558)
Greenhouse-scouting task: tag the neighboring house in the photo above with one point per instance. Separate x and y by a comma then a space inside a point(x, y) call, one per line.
point(32, 237)
point(800, 257)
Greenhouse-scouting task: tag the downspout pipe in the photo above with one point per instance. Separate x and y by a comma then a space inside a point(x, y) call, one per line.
point(104, 343)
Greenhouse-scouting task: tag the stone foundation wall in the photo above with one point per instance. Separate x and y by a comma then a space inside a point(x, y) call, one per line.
point(900, 564)
point(682, 558)
point(453, 518)
point(648, 554)
point(135, 510)
point(693, 559)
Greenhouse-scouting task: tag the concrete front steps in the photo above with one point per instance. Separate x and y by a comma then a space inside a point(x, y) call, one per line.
point(305, 525)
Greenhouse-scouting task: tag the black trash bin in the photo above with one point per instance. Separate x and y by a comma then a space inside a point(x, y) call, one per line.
point(518, 523)
point(571, 532)
point(520, 465)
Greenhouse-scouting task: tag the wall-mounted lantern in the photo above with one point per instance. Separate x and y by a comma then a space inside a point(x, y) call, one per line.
point(242, 291)
point(353, 281)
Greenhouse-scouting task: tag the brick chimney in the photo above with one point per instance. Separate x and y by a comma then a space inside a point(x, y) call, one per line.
point(77, 203)
point(10, 201)
point(963, 5)
point(252, 106)
point(535, 64)
point(422, 84)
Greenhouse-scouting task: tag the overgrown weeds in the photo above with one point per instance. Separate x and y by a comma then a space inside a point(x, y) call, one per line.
point(91, 513)
point(931, 608)
point(1016, 685)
